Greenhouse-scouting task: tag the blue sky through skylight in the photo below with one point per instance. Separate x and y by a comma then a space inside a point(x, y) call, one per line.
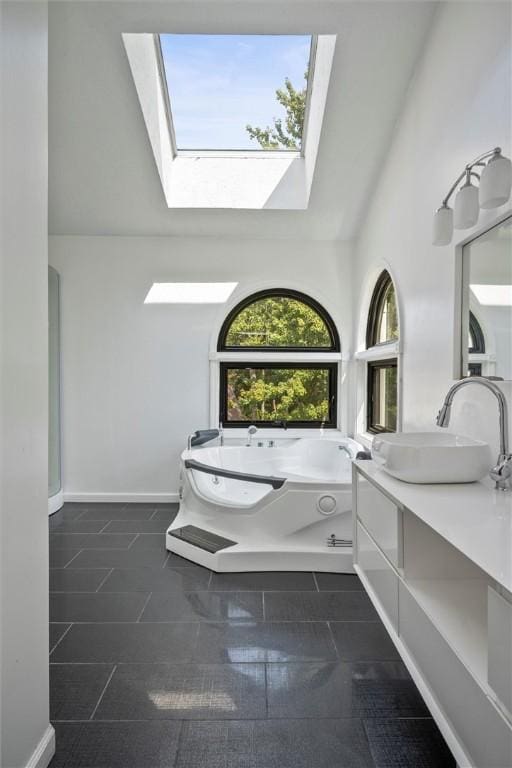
point(219, 83)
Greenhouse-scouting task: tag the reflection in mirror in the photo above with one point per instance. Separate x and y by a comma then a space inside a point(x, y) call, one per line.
point(487, 303)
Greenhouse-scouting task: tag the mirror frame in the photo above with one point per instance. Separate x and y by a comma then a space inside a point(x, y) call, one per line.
point(460, 357)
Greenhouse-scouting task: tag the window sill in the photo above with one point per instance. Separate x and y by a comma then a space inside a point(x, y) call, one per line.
point(291, 433)
point(381, 352)
point(277, 357)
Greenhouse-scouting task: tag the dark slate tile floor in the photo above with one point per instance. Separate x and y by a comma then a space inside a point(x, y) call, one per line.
point(156, 662)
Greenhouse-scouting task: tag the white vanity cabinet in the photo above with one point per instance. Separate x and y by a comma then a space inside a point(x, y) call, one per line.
point(436, 562)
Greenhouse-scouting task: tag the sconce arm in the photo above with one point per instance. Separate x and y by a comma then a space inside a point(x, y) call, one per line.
point(468, 170)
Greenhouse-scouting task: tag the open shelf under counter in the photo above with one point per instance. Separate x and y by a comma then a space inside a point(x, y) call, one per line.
point(458, 609)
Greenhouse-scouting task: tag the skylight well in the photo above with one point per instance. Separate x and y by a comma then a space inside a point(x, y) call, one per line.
point(493, 295)
point(189, 293)
point(237, 93)
point(233, 121)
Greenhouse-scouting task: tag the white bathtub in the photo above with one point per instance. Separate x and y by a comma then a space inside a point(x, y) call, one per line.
point(296, 496)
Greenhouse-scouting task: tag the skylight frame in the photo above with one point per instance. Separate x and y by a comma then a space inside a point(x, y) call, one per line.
point(282, 182)
point(235, 153)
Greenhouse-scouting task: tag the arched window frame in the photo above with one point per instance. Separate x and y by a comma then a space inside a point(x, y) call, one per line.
point(479, 361)
point(225, 356)
point(384, 282)
point(376, 358)
point(477, 336)
point(269, 293)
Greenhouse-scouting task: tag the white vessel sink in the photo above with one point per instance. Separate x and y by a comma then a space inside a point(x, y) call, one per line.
point(432, 457)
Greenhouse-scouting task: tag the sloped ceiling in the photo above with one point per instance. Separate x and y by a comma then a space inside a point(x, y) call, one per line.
point(102, 174)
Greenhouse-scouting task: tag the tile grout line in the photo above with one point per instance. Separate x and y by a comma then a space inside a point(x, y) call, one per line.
point(209, 581)
point(316, 582)
point(238, 622)
point(103, 691)
point(266, 692)
point(196, 640)
point(263, 604)
point(333, 641)
point(148, 598)
point(111, 571)
point(105, 526)
point(179, 743)
point(60, 638)
point(70, 561)
point(167, 560)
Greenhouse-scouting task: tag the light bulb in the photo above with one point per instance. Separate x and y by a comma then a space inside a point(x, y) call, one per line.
point(496, 182)
point(466, 207)
point(442, 226)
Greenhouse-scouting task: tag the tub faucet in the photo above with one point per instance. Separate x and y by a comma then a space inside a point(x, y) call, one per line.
point(250, 432)
point(502, 472)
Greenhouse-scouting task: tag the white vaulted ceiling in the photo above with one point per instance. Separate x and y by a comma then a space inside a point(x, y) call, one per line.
point(103, 178)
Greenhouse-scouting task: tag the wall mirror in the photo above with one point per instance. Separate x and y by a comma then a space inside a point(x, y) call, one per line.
point(486, 336)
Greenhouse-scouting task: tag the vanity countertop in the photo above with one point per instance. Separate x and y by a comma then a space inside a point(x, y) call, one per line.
point(474, 517)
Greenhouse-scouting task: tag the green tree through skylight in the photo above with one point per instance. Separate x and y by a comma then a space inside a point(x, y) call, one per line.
point(289, 135)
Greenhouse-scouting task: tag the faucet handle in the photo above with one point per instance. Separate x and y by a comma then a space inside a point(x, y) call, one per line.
point(502, 473)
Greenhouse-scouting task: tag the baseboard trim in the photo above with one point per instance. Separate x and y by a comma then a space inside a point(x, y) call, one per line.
point(55, 502)
point(44, 751)
point(123, 498)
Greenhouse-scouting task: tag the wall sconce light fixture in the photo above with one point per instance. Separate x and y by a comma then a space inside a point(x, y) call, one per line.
point(495, 183)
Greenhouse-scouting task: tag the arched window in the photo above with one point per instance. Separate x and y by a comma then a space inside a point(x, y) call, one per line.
point(476, 341)
point(382, 331)
point(292, 391)
point(383, 316)
point(280, 320)
point(476, 345)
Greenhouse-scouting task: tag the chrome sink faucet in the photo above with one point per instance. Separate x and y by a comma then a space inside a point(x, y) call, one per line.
point(250, 432)
point(502, 472)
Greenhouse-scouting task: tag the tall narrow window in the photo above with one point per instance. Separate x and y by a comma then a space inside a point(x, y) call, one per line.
point(382, 373)
point(476, 346)
point(383, 318)
point(382, 395)
point(302, 393)
point(476, 340)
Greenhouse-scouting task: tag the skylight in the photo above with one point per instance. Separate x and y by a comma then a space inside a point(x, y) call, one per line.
point(493, 295)
point(200, 93)
point(189, 293)
point(222, 90)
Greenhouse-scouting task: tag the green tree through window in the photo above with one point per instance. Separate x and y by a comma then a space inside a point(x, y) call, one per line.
point(270, 394)
point(278, 321)
point(261, 393)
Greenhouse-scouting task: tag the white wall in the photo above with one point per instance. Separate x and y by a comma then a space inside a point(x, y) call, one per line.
point(24, 731)
point(135, 377)
point(459, 105)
